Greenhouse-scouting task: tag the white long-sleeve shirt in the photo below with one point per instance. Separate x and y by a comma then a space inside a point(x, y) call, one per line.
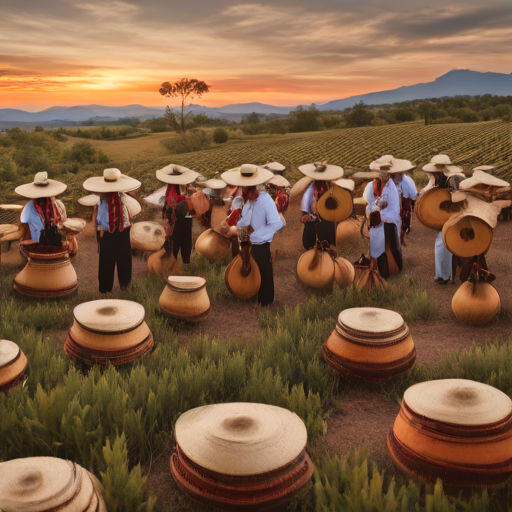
point(408, 187)
point(264, 218)
point(307, 199)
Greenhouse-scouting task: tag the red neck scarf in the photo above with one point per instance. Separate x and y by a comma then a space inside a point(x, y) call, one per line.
point(378, 185)
point(46, 209)
point(115, 212)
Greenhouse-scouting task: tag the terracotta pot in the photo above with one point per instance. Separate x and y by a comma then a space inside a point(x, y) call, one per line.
point(476, 303)
point(185, 298)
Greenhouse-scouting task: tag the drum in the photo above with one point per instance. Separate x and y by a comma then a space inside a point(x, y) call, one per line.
point(432, 208)
point(12, 364)
point(48, 273)
point(241, 455)
point(108, 331)
point(185, 298)
point(40, 484)
point(336, 204)
point(466, 236)
point(454, 429)
point(370, 343)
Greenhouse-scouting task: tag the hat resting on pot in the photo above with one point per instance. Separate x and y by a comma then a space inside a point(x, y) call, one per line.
point(111, 181)
point(41, 187)
point(176, 175)
point(247, 175)
point(438, 163)
point(321, 171)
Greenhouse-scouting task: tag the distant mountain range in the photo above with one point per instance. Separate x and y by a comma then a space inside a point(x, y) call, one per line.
point(456, 82)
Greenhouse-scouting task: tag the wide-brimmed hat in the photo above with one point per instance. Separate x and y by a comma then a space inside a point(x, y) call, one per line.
point(485, 168)
point(454, 170)
point(90, 200)
point(275, 167)
point(240, 438)
point(437, 163)
point(42, 186)
point(399, 165)
point(382, 164)
point(111, 181)
point(74, 225)
point(483, 179)
point(321, 171)
point(109, 315)
point(176, 175)
point(366, 175)
point(247, 175)
point(335, 204)
point(147, 236)
point(215, 184)
point(279, 181)
point(345, 183)
point(300, 187)
point(458, 402)
point(432, 208)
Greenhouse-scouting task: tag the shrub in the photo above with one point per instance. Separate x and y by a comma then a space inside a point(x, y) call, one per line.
point(220, 135)
point(446, 120)
point(194, 140)
point(7, 168)
point(39, 129)
point(83, 152)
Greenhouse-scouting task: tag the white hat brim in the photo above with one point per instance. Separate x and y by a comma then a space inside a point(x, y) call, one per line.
point(279, 181)
point(90, 200)
point(332, 172)
point(346, 184)
point(98, 184)
point(430, 167)
point(234, 178)
point(184, 177)
point(33, 191)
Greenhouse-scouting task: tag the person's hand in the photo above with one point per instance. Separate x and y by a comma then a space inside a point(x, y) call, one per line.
point(304, 218)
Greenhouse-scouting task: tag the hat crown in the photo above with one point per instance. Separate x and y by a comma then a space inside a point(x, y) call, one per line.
point(41, 179)
point(441, 160)
point(111, 174)
point(248, 170)
point(320, 166)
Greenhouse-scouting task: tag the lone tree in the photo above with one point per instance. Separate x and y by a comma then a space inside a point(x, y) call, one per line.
point(186, 89)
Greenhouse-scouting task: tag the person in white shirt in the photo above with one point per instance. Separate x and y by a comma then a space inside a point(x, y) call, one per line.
point(258, 212)
point(409, 192)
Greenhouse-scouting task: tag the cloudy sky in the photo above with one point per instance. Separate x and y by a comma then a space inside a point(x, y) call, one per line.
point(284, 52)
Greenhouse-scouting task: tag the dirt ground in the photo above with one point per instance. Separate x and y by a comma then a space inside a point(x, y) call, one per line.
point(363, 415)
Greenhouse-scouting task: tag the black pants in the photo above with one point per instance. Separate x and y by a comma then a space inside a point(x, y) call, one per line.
point(182, 238)
point(115, 249)
point(325, 229)
point(391, 235)
point(263, 258)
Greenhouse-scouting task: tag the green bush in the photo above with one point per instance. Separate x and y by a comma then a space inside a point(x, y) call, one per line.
point(7, 168)
point(83, 152)
point(220, 135)
point(194, 140)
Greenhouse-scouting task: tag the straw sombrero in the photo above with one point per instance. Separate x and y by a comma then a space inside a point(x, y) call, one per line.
point(300, 187)
point(41, 187)
point(382, 164)
point(74, 225)
point(247, 175)
point(458, 401)
point(240, 438)
point(176, 175)
point(215, 184)
point(366, 175)
point(335, 204)
point(438, 163)
point(399, 165)
point(275, 167)
point(147, 236)
point(279, 181)
point(483, 179)
point(454, 170)
point(485, 168)
point(38, 484)
point(345, 183)
point(90, 200)
point(111, 181)
point(321, 171)
point(109, 315)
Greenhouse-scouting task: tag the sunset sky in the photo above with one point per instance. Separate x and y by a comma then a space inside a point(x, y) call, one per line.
point(284, 52)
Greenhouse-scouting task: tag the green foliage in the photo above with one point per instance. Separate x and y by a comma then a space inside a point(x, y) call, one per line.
point(8, 168)
point(359, 115)
point(194, 140)
point(349, 484)
point(305, 120)
point(220, 135)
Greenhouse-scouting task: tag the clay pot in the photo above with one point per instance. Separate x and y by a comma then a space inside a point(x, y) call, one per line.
point(13, 363)
point(185, 298)
point(476, 303)
point(344, 272)
point(48, 273)
point(211, 245)
point(315, 268)
point(349, 231)
point(243, 286)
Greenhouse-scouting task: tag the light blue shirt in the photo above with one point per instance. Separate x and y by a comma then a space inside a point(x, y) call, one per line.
point(264, 218)
point(30, 216)
point(102, 216)
point(307, 199)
